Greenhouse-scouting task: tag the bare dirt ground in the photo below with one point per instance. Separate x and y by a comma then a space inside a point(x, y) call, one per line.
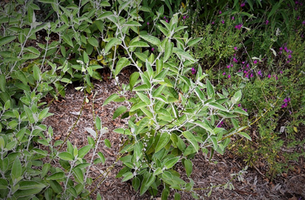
point(217, 171)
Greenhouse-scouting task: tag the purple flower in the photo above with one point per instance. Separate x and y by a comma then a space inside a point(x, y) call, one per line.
point(233, 18)
point(255, 61)
point(303, 22)
point(213, 22)
point(245, 109)
point(223, 21)
point(166, 20)
point(251, 75)
point(298, 18)
point(288, 61)
point(243, 4)
point(239, 105)
point(289, 56)
point(219, 125)
point(238, 26)
point(152, 49)
point(184, 17)
point(235, 60)
point(235, 48)
point(220, 12)
point(269, 76)
point(281, 72)
point(229, 76)
point(260, 73)
point(228, 66)
point(267, 22)
point(281, 48)
point(164, 17)
point(147, 23)
point(224, 73)
point(193, 70)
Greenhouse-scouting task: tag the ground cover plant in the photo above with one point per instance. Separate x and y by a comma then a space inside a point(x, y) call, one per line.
point(201, 80)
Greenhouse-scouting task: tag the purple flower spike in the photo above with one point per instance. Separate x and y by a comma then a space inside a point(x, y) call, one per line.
point(267, 22)
point(269, 76)
point(193, 70)
point(233, 18)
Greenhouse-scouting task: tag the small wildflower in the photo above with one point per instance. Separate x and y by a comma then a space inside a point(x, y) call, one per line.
point(281, 72)
point(267, 22)
point(269, 76)
point(213, 22)
point(289, 56)
point(251, 75)
point(243, 4)
point(255, 61)
point(233, 18)
point(298, 18)
point(166, 20)
point(229, 76)
point(235, 60)
point(193, 70)
point(223, 21)
point(228, 66)
point(260, 73)
point(243, 62)
point(239, 105)
point(288, 61)
point(219, 125)
point(247, 65)
point(238, 26)
point(152, 49)
point(245, 109)
point(224, 73)
point(147, 23)
point(164, 17)
point(184, 17)
point(235, 48)
point(220, 12)
point(303, 22)
point(231, 65)
point(281, 48)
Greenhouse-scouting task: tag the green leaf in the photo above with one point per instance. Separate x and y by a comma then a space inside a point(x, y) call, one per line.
point(16, 169)
point(141, 56)
point(68, 40)
point(210, 89)
point(2, 82)
point(240, 111)
point(65, 156)
point(98, 123)
point(146, 183)
point(192, 42)
point(110, 98)
point(120, 110)
point(123, 62)
point(84, 150)
point(217, 106)
point(104, 15)
point(107, 143)
point(101, 155)
point(136, 183)
point(25, 185)
point(127, 176)
point(163, 140)
point(112, 42)
point(7, 39)
point(236, 97)
point(137, 106)
point(138, 44)
point(3, 184)
point(177, 196)
point(214, 142)
point(191, 138)
point(168, 50)
point(57, 176)
point(151, 39)
point(183, 54)
point(26, 193)
point(141, 88)
point(188, 167)
point(245, 135)
point(144, 98)
point(133, 79)
point(93, 41)
point(171, 162)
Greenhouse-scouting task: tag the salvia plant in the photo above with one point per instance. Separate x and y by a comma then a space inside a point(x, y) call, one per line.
point(175, 112)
